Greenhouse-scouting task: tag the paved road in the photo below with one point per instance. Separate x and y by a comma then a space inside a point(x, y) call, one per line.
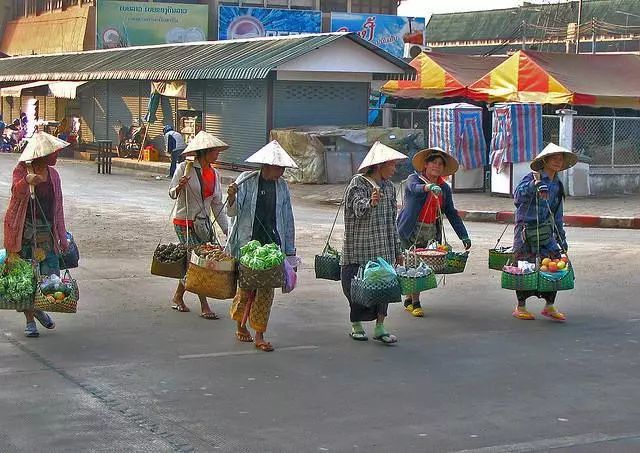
point(129, 374)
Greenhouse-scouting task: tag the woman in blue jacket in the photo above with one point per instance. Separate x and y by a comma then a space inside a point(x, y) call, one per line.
point(426, 197)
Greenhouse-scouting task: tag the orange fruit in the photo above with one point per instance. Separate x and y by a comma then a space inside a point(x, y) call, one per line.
point(565, 259)
point(553, 267)
point(562, 265)
point(544, 269)
point(546, 261)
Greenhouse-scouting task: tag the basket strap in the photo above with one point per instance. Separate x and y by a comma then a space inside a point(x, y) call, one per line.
point(500, 238)
point(335, 219)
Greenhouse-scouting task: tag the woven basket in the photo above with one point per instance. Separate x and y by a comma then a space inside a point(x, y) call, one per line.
point(371, 294)
point(520, 282)
point(455, 263)
point(565, 283)
point(413, 285)
point(500, 257)
point(67, 305)
point(211, 283)
point(251, 279)
point(176, 269)
point(327, 267)
point(435, 259)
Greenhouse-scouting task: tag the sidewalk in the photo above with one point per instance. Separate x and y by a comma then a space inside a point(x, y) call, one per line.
point(590, 212)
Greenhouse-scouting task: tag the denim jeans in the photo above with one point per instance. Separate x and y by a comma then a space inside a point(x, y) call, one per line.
point(176, 158)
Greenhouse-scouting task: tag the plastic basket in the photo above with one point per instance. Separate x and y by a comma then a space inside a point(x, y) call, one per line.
point(546, 284)
point(520, 282)
point(500, 257)
point(327, 267)
point(435, 259)
point(455, 263)
point(413, 285)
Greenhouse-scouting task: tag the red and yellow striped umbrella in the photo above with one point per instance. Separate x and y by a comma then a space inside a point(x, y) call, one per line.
point(441, 75)
point(552, 78)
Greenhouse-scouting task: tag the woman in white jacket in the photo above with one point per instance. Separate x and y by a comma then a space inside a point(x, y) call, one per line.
point(196, 188)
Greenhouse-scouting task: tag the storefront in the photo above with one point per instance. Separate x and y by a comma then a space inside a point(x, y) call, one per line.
point(241, 90)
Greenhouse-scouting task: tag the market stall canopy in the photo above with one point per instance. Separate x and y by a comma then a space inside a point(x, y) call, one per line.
point(242, 59)
point(66, 90)
point(441, 75)
point(596, 80)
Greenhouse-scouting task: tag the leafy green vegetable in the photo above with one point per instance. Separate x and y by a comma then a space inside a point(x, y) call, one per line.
point(17, 281)
point(260, 257)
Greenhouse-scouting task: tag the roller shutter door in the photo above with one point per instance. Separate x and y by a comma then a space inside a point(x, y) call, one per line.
point(100, 112)
point(236, 111)
point(124, 106)
point(319, 103)
point(85, 97)
point(50, 109)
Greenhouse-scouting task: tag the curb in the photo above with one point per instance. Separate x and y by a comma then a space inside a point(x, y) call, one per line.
point(583, 221)
point(161, 168)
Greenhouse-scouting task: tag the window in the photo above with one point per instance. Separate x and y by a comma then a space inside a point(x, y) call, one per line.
point(374, 6)
point(328, 6)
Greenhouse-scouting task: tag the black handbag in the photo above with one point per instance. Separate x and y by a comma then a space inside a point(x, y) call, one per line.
point(370, 294)
point(71, 258)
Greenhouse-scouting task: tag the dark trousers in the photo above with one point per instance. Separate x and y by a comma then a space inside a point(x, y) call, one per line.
point(358, 312)
point(176, 158)
point(549, 297)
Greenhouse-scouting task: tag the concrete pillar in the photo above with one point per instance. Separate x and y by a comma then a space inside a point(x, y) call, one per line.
point(387, 115)
point(566, 128)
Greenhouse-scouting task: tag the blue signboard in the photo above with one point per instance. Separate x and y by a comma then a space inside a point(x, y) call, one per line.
point(390, 33)
point(235, 22)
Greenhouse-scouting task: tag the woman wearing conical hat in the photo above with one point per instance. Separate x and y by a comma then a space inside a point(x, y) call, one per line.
point(539, 208)
point(426, 196)
point(36, 211)
point(197, 190)
point(259, 205)
point(370, 208)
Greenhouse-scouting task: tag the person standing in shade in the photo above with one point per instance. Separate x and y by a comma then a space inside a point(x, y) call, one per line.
point(539, 201)
point(259, 205)
point(174, 146)
point(426, 197)
point(370, 208)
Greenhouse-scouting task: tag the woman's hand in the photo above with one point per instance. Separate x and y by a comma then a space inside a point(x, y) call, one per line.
point(183, 182)
point(433, 188)
point(13, 257)
point(232, 191)
point(467, 243)
point(375, 198)
point(400, 260)
point(33, 179)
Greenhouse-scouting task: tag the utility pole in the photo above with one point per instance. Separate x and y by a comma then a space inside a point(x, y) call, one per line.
point(524, 34)
point(578, 26)
point(593, 35)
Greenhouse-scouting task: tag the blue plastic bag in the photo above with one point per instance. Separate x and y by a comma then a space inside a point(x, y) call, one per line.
point(3, 256)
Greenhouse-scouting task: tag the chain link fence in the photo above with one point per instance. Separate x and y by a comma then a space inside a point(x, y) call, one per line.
point(608, 140)
point(550, 129)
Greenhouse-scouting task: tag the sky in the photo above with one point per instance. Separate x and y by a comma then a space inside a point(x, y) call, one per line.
point(424, 8)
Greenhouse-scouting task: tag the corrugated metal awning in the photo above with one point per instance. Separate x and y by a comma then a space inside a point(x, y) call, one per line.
point(235, 59)
point(66, 90)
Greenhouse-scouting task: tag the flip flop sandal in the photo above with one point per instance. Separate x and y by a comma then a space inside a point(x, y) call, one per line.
point(265, 346)
point(180, 308)
point(210, 315)
point(244, 337)
point(359, 336)
point(418, 312)
point(523, 315)
point(554, 315)
point(386, 338)
point(44, 319)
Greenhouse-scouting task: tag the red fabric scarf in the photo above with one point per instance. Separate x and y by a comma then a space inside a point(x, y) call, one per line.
point(208, 182)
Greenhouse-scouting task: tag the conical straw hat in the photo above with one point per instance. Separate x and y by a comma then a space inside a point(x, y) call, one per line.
point(41, 144)
point(272, 154)
point(379, 154)
point(419, 160)
point(204, 140)
point(570, 159)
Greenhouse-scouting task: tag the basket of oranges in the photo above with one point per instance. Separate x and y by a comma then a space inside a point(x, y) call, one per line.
point(555, 275)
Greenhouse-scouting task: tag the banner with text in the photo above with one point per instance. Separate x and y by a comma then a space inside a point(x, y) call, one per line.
point(124, 24)
point(235, 22)
point(390, 33)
